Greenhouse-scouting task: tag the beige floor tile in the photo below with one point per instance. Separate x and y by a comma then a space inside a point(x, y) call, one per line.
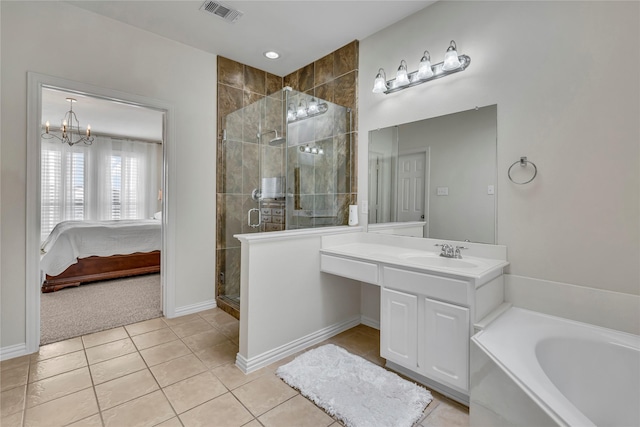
point(374, 357)
point(13, 420)
point(15, 377)
point(15, 362)
point(173, 422)
point(63, 411)
point(296, 412)
point(57, 365)
point(263, 394)
point(51, 388)
point(218, 317)
point(92, 421)
point(232, 377)
point(253, 423)
point(146, 326)
point(178, 369)
point(357, 342)
point(447, 415)
point(110, 350)
point(154, 338)
point(182, 319)
point(191, 328)
point(164, 352)
point(148, 410)
point(219, 354)
point(104, 337)
point(189, 393)
point(231, 330)
point(58, 349)
point(223, 411)
point(204, 340)
point(12, 400)
point(124, 389)
point(116, 367)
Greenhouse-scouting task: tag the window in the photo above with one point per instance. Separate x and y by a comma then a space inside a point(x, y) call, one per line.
point(109, 180)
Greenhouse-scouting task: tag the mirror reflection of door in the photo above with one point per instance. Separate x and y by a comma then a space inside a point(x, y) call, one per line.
point(412, 174)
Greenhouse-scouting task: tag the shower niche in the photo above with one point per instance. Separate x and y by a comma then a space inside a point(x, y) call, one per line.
point(286, 164)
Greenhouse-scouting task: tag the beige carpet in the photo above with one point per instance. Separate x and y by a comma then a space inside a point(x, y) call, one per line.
point(94, 307)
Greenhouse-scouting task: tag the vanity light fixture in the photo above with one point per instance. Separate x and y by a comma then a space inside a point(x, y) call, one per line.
point(306, 110)
point(402, 79)
point(380, 83)
point(451, 61)
point(426, 72)
point(311, 150)
point(70, 129)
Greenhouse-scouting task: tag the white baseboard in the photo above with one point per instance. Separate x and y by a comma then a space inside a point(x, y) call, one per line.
point(599, 307)
point(271, 356)
point(13, 351)
point(368, 321)
point(195, 308)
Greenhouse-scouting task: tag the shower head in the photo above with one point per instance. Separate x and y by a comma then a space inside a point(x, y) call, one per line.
point(277, 140)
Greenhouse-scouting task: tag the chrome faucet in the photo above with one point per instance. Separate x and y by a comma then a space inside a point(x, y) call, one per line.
point(448, 251)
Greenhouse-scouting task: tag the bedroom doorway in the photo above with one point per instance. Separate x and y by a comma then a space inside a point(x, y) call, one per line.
point(110, 179)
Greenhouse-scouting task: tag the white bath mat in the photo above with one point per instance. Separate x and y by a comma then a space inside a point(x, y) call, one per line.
point(357, 392)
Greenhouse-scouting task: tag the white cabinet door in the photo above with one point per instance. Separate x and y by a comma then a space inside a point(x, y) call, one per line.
point(399, 328)
point(445, 349)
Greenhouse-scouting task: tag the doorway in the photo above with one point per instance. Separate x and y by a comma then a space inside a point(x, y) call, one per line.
point(36, 84)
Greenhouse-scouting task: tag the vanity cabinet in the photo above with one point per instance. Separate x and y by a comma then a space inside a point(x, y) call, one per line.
point(444, 344)
point(399, 327)
point(428, 304)
point(421, 332)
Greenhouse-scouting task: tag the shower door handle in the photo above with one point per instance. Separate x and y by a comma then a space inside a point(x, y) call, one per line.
point(256, 225)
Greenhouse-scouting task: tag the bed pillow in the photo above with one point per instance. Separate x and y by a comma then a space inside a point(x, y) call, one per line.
point(157, 215)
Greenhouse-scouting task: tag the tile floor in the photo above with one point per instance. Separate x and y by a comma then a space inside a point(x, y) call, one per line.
point(171, 372)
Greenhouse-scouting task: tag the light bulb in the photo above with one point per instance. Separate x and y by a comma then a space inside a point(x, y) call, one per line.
point(380, 83)
point(424, 69)
point(313, 106)
point(302, 110)
point(291, 112)
point(451, 61)
point(401, 76)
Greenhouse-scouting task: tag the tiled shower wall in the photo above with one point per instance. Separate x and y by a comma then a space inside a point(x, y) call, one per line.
point(333, 78)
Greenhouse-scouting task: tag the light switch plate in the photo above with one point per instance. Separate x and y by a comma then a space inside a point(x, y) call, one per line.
point(442, 191)
point(491, 189)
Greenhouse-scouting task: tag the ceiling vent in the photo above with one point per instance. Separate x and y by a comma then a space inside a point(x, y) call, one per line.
point(223, 11)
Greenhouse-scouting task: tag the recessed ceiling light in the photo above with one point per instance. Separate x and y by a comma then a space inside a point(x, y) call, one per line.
point(272, 54)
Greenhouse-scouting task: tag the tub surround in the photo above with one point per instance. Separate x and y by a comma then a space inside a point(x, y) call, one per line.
point(434, 299)
point(553, 371)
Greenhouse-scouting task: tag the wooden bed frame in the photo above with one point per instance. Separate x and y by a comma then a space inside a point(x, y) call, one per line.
point(96, 268)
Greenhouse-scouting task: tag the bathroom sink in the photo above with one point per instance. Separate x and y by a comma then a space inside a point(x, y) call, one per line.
point(434, 260)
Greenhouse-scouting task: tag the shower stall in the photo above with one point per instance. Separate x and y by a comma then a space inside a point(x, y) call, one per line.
point(286, 164)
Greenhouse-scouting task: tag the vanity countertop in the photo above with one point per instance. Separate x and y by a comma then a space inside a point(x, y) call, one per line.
point(478, 261)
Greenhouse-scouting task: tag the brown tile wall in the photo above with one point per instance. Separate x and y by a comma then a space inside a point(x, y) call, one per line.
point(333, 78)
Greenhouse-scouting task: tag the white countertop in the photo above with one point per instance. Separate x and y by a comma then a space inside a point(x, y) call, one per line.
point(419, 254)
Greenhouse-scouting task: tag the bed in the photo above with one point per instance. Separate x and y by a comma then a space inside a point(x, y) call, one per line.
point(77, 252)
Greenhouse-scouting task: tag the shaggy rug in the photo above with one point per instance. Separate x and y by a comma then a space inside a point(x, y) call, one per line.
point(355, 390)
point(94, 307)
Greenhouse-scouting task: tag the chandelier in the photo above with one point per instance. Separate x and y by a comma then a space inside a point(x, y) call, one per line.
point(70, 129)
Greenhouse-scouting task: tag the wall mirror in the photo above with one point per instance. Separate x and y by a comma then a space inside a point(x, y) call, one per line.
point(441, 171)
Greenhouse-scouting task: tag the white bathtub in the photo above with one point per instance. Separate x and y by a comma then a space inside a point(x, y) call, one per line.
point(531, 369)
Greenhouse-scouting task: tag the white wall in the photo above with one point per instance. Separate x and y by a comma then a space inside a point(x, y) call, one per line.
point(562, 101)
point(61, 40)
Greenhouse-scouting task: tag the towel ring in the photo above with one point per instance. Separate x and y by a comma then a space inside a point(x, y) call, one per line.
point(523, 163)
